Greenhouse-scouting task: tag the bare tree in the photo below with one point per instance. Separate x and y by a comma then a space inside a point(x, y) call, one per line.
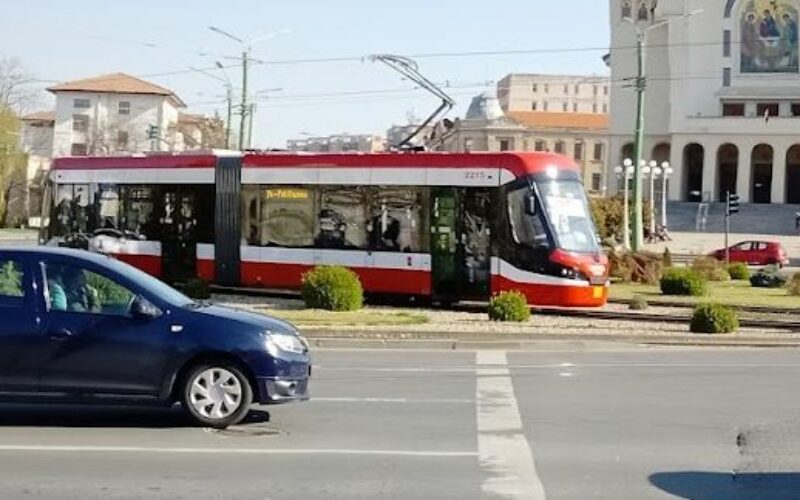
point(15, 91)
point(16, 96)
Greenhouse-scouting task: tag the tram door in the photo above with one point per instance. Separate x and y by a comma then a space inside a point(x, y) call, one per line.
point(474, 249)
point(461, 243)
point(444, 243)
point(178, 233)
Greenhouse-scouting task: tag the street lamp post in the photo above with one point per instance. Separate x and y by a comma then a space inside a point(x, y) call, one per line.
point(666, 171)
point(655, 171)
point(246, 49)
point(640, 84)
point(624, 173)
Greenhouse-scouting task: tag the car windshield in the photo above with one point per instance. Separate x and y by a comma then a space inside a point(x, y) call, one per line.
point(150, 284)
point(568, 213)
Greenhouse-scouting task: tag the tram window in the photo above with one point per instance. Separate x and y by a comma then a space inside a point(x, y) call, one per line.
point(72, 210)
point(398, 220)
point(198, 205)
point(342, 218)
point(251, 208)
point(287, 216)
point(137, 215)
point(108, 207)
point(526, 229)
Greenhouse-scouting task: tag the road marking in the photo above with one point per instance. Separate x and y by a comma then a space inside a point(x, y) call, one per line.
point(234, 451)
point(392, 400)
point(504, 450)
point(350, 369)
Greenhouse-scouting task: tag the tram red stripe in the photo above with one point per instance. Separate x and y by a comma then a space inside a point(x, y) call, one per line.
point(206, 270)
point(377, 280)
point(151, 264)
point(134, 162)
point(553, 295)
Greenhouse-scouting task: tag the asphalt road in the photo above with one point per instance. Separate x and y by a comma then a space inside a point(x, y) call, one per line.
point(556, 423)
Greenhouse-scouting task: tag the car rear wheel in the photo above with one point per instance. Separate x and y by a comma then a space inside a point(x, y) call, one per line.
point(217, 395)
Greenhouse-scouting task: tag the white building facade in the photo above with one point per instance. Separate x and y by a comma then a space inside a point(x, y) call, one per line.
point(112, 114)
point(723, 95)
point(554, 93)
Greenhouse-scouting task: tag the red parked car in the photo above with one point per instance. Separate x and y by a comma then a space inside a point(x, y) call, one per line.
point(756, 253)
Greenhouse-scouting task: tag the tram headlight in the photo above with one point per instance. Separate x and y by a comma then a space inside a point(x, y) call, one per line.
point(571, 273)
point(597, 270)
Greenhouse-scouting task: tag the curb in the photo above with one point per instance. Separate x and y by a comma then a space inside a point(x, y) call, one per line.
point(384, 340)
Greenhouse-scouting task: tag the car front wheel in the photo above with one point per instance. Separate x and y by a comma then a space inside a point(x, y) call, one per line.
point(217, 395)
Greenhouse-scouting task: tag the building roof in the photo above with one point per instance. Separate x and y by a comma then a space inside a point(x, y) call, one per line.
point(484, 107)
point(190, 118)
point(118, 83)
point(40, 116)
point(544, 119)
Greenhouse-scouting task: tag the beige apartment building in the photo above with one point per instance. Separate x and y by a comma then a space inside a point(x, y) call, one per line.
point(581, 136)
point(554, 93)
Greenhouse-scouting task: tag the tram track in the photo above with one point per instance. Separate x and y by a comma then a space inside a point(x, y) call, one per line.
point(791, 325)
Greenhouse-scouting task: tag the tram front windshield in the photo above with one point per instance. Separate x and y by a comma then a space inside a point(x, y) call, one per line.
point(563, 207)
point(567, 210)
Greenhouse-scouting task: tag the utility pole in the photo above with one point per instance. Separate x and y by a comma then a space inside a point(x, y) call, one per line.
point(640, 85)
point(243, 122)
point(246, 48)
point(250, 115)
point(229, 98)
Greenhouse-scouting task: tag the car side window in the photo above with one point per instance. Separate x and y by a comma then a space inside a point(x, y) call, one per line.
point(11, 279)
point(75, 289)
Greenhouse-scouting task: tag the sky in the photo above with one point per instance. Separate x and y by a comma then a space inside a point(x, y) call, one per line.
point(161, 40)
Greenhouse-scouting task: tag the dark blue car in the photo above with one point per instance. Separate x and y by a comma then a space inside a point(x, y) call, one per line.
point(79, 326)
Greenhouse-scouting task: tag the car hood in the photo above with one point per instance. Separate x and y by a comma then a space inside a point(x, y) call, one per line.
point(259, 321)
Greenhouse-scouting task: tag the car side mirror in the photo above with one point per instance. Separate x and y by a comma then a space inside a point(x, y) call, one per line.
point(143, 309)
point(530, 204)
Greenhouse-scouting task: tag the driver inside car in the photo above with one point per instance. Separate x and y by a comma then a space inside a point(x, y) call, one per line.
point(81, 297)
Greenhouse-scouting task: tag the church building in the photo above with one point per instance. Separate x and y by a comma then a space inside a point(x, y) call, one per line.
point(722, 95)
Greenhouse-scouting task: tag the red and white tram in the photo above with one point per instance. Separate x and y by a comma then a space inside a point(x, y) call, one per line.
point(443, 226)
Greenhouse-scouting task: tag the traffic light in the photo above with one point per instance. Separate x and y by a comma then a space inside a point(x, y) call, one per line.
point(733, 204)
point(152, 132)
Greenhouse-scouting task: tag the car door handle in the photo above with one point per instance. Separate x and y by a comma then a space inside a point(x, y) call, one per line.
point(61, 335)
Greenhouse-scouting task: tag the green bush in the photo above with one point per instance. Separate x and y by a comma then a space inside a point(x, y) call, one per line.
point(197, 288)
point(794, 285)
point(666, 258)
point(739, 271)
point(108, 292)
point(769, 277)
point(638, 303)
point(332, 288)
point(509, 306)
point(683, 281)
point(714, 318)
point(710, 268)
point(10, 280)
point(635, 267)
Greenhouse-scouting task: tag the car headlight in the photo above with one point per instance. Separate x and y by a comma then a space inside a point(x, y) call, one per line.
point(278, 343)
